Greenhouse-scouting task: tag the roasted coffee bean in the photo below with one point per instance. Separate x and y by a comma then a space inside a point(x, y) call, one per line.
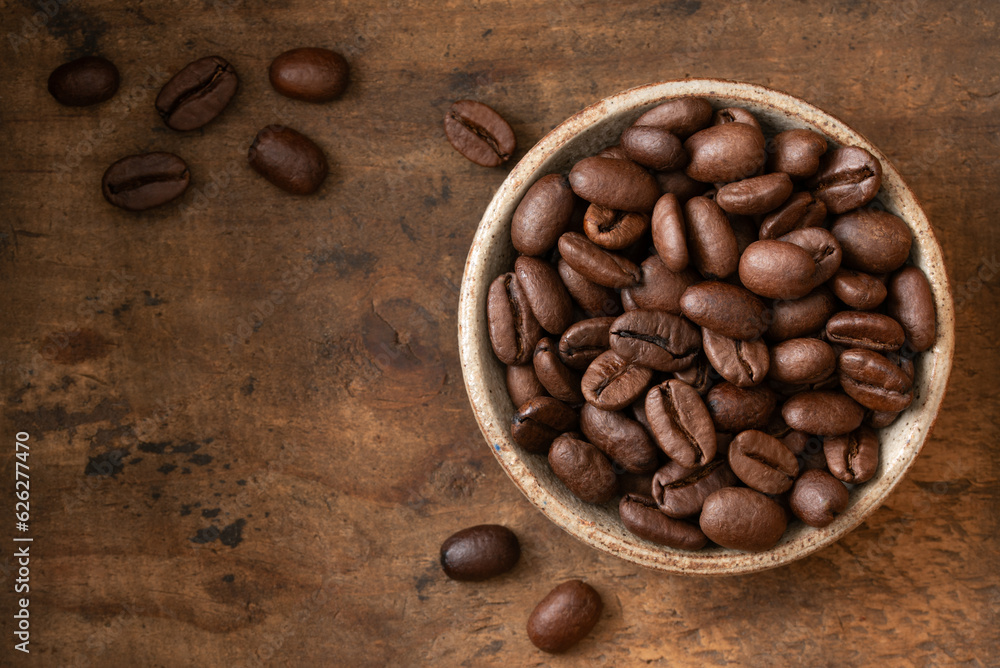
point(140, 182)
point(799, 211)
point(859, 290)
point(480, 552)
point(612, 229)
point(514, 331)
point(583, 469)
point(822, 412)
point(742, 519)
point(726, 309)
point(680, 423)
point(479, 133)
point(725, 153)
point(583, 341)
point(653, 147)
point(558, 379)
point(734, 115)
point(821, 246)
point(616, 152)
point(797, 153)
point(612, 382)
point(655, 339)
point(874, 381)
point(616, 184)
point(659, 288)
point(712, 245)
point(681, 492)
point(798, 317)
point(756, 195)
point(197, 94)
point(778, 269)
point(596, 300)
point(538, 422)
point(683, 116)
point(911, 304)
point(742, 363)
point(762, 462)
point(622, 439)
point(700, 375)
point(873, 241)
point(310, 74)
point(523, 384)
point(84, 81)
point(847, 178)
point(288, 159)
point(564, 617)
point(669, 236)
point(542, 215)
point(680, 184)
point(641, 516)
point(596, 264)
point(547, 296)
point(736, 409)
point(817, 498)
point(802, 361)
point(864, 329)
point(853, 457)
point(880, 419)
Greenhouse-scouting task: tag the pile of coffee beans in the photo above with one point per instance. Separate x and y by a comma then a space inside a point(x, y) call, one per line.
point(195, 96)
point(707, 320)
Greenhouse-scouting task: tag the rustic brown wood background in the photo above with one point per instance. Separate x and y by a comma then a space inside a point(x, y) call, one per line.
point(248, 425)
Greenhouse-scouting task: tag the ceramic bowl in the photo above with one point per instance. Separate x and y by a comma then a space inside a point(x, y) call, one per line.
point(599, 526)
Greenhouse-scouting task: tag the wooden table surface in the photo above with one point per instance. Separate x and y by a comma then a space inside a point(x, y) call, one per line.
point(249, 432)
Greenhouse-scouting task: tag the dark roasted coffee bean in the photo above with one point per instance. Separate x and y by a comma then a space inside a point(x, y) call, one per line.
point(797, 153)
point(583, 469)
point(288, 159)
point(612, 229)
point(873, 241)
point(734, 115)
point(680, 423)
point(725, 153)
point(659, 288)
point(864, 329)
point(822, 412)
point(821, 246)
point(596, 300)
point(777, 269)
point(538, 422)
point(683, 116)
point(847, 178)
point(736, 409)
point(712, 245)
point(514, 331)
point(756, 195)
point(542, 215)
point(480, 552)
point(799, 211)
point(853, 457)
point(616, 184)
point(653, 147)
point(564, 617)
point(817, 498)
point(655, 339)
point(140, 182)
point(612, 382)
point(911, 303)
point(84, 81)
point(762, 462)
point(700, 375)
point(310, 74)
point(523, 384)
point(859, 290)
point(742, 519)
point(802, 361)
point(873, 381)
point(622, 439)
point(641, 516)
point(583, 341)
point(880, 419)
point(742, 363)
point(558, 379)
point(547, 296)
point(798, 317)
point(681, 492)
point(727, 309)
point(479, 133)
point(680, 184)
point(596, 264)
point(197, 94)
point(669, 236)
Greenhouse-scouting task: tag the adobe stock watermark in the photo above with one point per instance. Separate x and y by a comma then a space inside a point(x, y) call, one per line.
point(32, 25)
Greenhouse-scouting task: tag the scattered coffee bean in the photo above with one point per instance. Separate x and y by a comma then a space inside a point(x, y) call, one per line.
point(479, 133)
point(288, 159)
point(197, 94)
point(84, 81)
point(143, 181)
point(310, 74)
point(564, 617)
point(480, 552)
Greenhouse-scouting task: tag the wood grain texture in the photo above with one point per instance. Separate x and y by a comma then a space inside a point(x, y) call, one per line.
point(249, 429)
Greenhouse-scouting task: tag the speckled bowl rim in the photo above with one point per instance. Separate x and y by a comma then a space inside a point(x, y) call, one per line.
point(597, 526)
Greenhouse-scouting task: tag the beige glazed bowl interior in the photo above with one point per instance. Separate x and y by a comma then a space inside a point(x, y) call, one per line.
point(586, 133)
